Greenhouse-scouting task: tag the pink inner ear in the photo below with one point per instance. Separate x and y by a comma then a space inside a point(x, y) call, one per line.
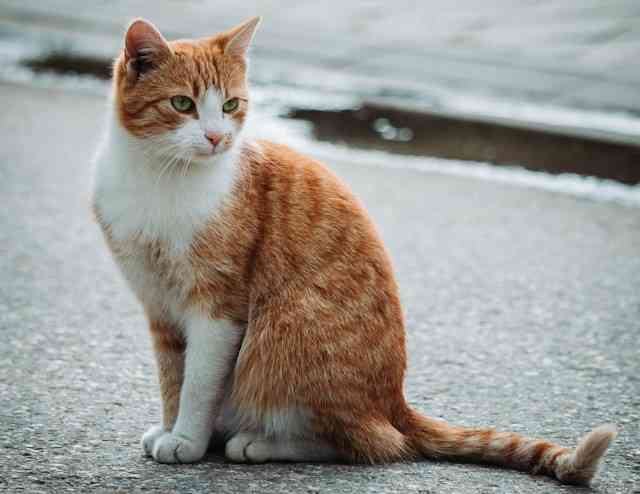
point(143, 40)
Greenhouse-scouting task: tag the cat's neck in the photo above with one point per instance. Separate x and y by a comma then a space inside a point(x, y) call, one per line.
point(140, 196)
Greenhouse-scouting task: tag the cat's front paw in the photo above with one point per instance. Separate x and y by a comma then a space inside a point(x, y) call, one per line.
point(150, 437)
point(170, 448)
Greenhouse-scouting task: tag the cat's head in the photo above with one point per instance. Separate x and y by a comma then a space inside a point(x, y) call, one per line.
point(185, 98)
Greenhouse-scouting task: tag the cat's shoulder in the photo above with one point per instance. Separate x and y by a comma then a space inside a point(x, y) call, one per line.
point(278, 159)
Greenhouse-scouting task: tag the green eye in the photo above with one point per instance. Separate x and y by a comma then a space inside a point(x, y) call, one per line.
point(182, 103)
point(230, 105)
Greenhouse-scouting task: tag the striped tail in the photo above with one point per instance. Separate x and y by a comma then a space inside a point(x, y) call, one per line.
point(438, 440)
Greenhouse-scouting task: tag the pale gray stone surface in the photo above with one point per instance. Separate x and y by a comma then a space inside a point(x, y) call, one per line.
point(522, 307)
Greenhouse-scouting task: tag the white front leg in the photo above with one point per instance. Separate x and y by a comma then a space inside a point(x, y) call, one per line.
point(211, 348)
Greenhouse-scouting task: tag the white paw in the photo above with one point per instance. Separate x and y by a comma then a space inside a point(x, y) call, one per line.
point(170, 448)
point(258, 451)
point(235, 450)
point(150, 437)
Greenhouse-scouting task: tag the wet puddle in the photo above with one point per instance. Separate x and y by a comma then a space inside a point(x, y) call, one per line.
point(424, 134)
point(65, 64)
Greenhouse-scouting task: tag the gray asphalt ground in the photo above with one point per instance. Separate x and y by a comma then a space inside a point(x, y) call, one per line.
point(522, 307)
point(575, 53)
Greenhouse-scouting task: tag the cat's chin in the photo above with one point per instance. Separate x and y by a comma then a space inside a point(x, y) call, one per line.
point(209, 157)
point(203, 156)
point(206, 157)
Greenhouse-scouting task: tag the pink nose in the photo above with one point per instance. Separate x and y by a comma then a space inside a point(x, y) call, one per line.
point(213, 137)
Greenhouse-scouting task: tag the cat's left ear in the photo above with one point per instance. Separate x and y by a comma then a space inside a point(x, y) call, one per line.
point(239, 38)
point(144, 48)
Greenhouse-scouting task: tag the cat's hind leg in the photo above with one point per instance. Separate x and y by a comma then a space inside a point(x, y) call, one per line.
point(234, 449)
point(248, 447)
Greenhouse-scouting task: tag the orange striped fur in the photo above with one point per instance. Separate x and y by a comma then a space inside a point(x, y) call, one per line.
point(292, 258)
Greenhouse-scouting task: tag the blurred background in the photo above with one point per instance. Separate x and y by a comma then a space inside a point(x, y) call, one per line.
point(496, 145)
point(546, 85)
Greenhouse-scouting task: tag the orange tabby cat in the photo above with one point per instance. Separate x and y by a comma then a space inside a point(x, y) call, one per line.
point(272, 304)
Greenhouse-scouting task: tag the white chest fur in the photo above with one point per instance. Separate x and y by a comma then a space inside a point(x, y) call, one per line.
point(153, 213)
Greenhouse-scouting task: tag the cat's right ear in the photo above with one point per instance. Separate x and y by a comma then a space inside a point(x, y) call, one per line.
point(144, 48)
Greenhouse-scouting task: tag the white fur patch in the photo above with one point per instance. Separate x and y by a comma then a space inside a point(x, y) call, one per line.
point(137, 194)
point(212, 118)
point(290, 423)
point(147, 201)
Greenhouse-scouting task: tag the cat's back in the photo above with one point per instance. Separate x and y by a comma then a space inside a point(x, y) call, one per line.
point(310, 223)
point(303, 200)
point(301, 185)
